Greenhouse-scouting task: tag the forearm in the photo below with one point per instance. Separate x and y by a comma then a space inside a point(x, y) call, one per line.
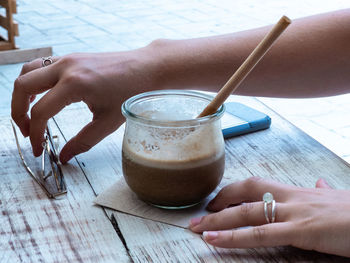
point(312, 58)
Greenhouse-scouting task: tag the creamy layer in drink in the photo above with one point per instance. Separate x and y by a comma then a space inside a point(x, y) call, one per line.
point(173, 166)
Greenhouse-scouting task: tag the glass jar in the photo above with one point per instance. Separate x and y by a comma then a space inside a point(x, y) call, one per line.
point(170, 158)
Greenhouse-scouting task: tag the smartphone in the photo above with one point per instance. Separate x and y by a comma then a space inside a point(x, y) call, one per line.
point(240, 119)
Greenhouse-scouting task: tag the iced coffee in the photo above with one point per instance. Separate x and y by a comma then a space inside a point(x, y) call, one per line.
point(170, 158)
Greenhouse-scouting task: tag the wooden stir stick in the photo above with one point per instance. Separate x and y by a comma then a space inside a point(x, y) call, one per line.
point(242, 72)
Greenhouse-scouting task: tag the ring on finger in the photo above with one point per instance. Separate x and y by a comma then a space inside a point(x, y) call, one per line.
point(269, 201)
point(46, 61)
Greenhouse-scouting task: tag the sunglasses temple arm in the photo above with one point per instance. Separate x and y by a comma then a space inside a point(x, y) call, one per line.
point(52, 157)
point(26, 166)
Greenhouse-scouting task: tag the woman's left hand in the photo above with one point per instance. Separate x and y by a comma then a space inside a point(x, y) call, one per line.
point(312, 219)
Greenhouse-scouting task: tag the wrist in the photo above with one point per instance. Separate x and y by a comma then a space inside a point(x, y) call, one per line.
point(158, 60)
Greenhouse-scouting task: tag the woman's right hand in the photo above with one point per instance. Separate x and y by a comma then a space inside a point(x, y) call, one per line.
point(103, 81)
point(312, 219)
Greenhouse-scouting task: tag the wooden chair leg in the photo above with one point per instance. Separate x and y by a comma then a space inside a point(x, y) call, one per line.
point(8, 23)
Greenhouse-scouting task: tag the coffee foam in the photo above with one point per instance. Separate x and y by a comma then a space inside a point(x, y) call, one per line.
point(166, 115)
point(173, 148)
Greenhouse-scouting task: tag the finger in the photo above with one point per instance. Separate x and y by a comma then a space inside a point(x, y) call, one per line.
point(48, 106)
point(20, 104)
point(88, 137)
point(249, 190)
point(38, 80)
point(35, 64)
point(276, 234)
point(247, 214)
point(32, 83)
point(322, 183)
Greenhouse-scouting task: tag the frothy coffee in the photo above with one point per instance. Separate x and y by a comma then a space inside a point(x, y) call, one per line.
point(173, 167)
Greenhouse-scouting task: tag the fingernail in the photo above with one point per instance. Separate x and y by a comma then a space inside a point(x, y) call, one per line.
point(24, 127)
point(324, 181)
point(210, 235)
point(195, 221)
point(37, 151)
point(25, 133)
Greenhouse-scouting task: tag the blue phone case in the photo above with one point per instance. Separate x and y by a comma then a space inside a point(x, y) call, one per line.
point(254, 120)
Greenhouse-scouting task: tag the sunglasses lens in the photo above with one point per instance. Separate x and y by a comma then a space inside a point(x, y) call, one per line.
point(48, 173)
point(53, 179)
point(60, 183)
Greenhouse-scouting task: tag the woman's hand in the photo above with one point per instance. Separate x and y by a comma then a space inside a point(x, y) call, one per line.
point(313, 219)
point(103, 81)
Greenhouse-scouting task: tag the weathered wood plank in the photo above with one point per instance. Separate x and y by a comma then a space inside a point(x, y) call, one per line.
point(23, 55)
point(102, 166)
point(14, 6)
point(282, 152)
point(4, 45)
point(4, 3)
point(119, 197)
point(149, 241)
point(156, 242)
point(7, 3)
point(34, 228)
point(4, 24)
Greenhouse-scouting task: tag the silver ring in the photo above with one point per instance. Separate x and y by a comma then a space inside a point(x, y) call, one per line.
point(268, 200)
point(273, 211)
point(46, 61)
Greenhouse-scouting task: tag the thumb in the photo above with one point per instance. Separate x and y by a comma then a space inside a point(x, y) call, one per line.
point(322, 183)
point(89, 136)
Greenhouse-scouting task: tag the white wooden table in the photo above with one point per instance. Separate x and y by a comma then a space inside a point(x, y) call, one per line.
point(34, 228)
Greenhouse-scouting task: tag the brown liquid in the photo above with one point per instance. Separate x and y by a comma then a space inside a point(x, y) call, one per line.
point(172, 186)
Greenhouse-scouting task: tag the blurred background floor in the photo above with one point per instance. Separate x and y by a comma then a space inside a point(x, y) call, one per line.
point(115, 25)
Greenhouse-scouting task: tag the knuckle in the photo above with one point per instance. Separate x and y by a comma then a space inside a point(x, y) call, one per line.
point(74, 73)
point(260, 234)
point(252, 181)
point(245, 210)
point(232, 237)
point(81, 147)
point(255, 179)
point(225, 191)
point(26, 68)
point(67, 60)
point(18, 85)
point(221, 194)
point(160, 42)
point(71, 78)
point(15, 116)
point(35, 112)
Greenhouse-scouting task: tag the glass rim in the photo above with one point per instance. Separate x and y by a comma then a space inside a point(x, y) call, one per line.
point(177, 123)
